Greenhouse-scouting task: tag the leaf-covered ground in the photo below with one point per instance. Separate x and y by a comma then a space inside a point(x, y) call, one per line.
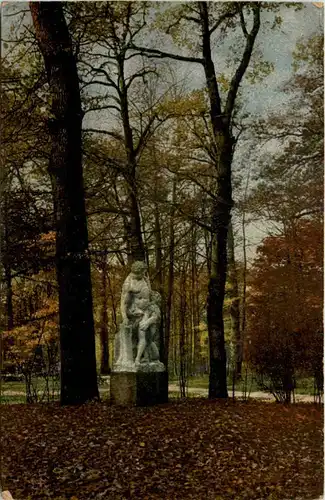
point(184, 450)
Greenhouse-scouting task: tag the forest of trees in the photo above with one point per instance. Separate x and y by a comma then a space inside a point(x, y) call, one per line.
point(110, 155)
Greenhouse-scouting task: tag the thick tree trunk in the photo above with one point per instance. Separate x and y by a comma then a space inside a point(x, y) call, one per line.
point(216, 290)
point(135, 231)
point(104, 360)
point(77, 335)
point(220, 219)
point(235, 303)
point(221, 213)
point(132, 226)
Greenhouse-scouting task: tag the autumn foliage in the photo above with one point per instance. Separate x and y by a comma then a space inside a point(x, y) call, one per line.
point(285, 335)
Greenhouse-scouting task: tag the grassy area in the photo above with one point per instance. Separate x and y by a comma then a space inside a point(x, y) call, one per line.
point(304, 385)
point(12, 399)
point(176, 395)
point(202, 382)
point(20, 386)
point(13, 386)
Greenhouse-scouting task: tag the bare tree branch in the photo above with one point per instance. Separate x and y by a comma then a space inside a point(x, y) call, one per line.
point(161, 55)
point(242, 23)
point(101, 108)
point(223, 17)
point(238, 76)
point(115, 135)
point(140, 74)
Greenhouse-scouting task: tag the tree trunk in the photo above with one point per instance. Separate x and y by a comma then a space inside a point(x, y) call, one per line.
point(195, 304)
point(220, 219)
point(221, 212)
point(243, 301)
point(235, 304)
point(170, 275)
point(133, 229)
point(217, 282)
point(7, 266)
point(104, 361)
point(182, 334)
point(135, 234)
point(160, 281)
point(9, 304)
point(77, 334)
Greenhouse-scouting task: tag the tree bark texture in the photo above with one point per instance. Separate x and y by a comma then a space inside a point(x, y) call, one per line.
point(170, 275)
point(77, 335)
point(135, 239)
point(235, 304)
point(220, 218)
point(104, 341)
point(183, 371)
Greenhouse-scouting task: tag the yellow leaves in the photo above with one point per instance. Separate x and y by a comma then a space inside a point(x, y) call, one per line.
point(142, 444)
point(51, 307)
point(194, 102)
point(277, 21)
point(223, 82)
point(172, 21)
point(258, 71)
point(48, 237)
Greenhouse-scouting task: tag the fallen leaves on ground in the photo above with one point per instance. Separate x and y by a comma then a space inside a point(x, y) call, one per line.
point(196, 449)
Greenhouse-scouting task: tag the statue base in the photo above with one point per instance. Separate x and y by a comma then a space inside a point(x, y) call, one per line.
point(139, 388)
point(131, 367)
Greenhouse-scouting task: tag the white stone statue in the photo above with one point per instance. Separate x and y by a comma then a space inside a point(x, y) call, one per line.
point(135, 345)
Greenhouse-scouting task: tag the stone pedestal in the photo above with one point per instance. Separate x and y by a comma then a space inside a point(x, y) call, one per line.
point(139, 388)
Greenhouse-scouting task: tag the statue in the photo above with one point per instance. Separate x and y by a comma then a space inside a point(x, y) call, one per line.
point(147, 345)
point(135, 347)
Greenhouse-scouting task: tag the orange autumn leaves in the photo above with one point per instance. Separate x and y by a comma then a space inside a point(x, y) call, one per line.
point(286, 290)
point(35, 312)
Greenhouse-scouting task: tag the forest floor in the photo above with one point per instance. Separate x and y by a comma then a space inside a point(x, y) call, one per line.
point(194, 449)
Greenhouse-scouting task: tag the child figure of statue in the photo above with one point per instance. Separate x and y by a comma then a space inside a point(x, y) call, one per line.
point(149, 327)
